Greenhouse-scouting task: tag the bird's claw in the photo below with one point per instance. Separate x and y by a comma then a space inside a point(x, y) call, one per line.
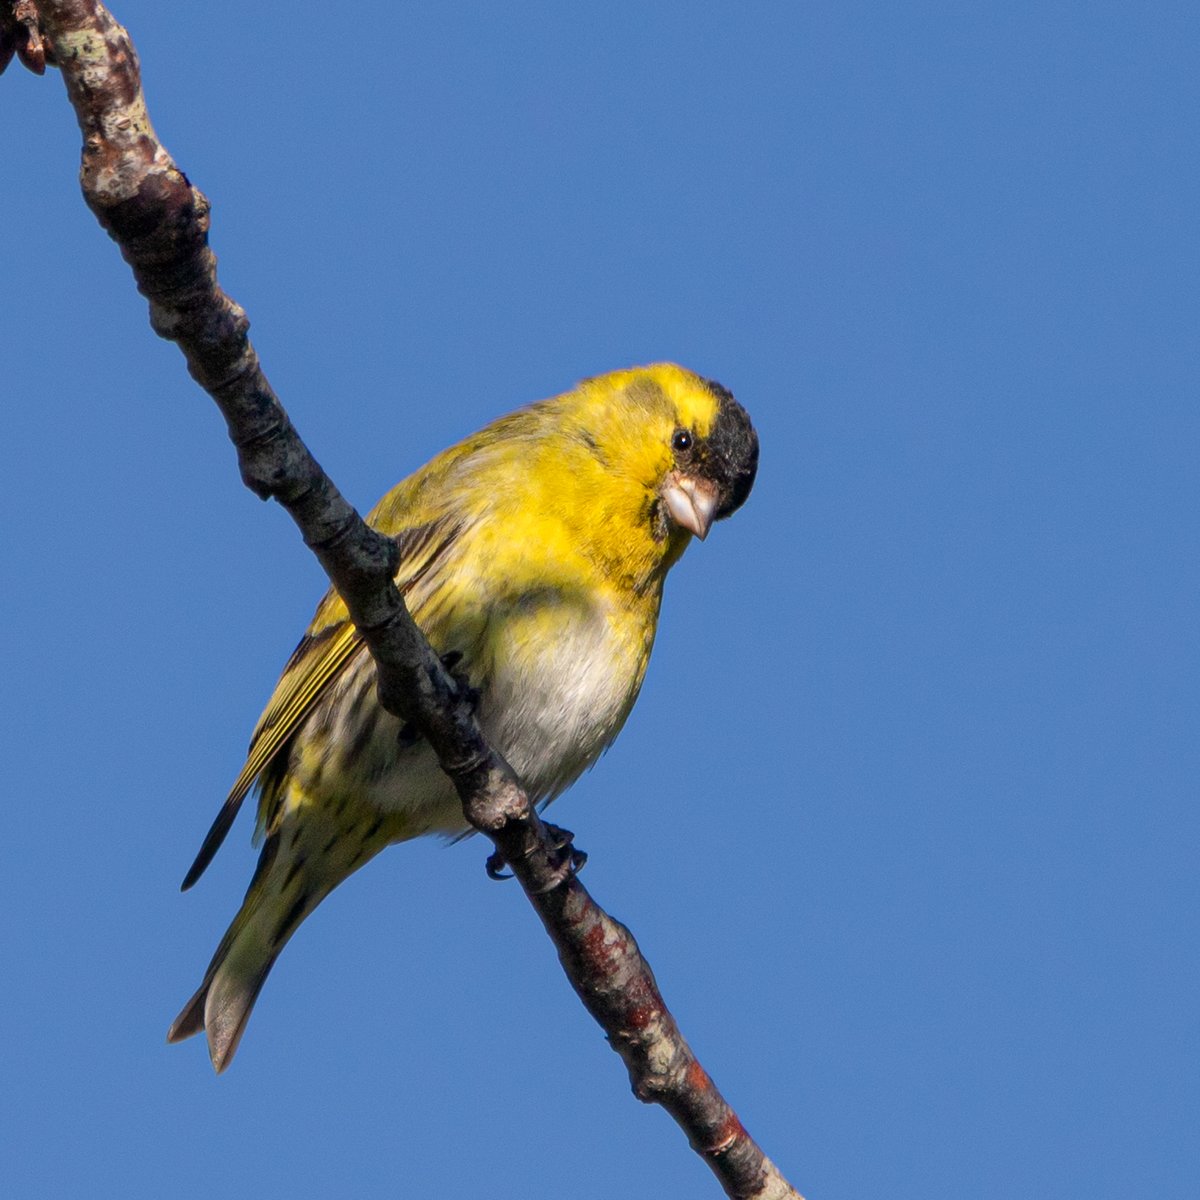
point(570, 859)
point(495, 866)
point(564, 839)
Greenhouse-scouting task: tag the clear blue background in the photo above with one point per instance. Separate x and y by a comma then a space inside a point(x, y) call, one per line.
point(906, 817)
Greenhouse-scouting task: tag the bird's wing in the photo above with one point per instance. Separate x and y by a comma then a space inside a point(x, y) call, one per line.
point(323, 653)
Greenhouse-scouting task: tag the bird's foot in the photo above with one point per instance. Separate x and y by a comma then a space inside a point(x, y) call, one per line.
point(569, 860)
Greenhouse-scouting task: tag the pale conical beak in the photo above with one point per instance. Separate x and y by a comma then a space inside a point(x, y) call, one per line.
point(691, 502)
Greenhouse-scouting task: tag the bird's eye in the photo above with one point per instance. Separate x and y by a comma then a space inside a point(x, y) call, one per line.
point(681, 441)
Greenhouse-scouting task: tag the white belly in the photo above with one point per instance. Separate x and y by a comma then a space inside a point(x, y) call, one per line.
point(560, 692)
point(553, 696)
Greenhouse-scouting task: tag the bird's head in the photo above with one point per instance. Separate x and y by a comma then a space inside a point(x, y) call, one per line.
point(684, 440)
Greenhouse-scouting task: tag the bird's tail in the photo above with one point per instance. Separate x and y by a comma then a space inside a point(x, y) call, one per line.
point(308, 852)
point(277, 901)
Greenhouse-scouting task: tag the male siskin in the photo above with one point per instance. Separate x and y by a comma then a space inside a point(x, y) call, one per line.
point(533, 556)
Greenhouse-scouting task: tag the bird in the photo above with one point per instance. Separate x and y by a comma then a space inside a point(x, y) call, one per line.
point(532, 557)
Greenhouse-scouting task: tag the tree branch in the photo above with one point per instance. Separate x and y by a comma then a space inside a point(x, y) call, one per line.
point(160, 222)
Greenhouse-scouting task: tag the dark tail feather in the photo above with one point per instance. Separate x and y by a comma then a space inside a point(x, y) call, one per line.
point(213, 838)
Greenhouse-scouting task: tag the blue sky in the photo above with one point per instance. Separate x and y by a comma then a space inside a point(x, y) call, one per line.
point(905, 818)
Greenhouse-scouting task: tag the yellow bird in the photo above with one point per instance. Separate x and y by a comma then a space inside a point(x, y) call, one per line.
point(533, 556)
